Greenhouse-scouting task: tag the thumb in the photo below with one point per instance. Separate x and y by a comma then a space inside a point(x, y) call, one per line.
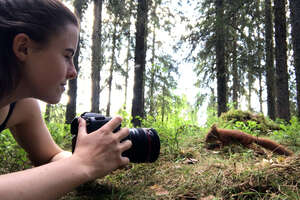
point(81, 127)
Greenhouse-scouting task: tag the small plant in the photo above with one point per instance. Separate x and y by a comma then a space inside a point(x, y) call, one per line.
point(254, 123)
point(250, 127)
point(13, 157)
point(290, 132)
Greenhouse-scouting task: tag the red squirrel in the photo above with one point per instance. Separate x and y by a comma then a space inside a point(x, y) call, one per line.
point(227, 136)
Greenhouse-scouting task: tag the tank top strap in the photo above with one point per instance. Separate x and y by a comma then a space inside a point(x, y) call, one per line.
point(11, 108)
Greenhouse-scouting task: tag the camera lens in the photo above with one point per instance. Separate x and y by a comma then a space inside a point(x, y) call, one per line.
point(145, 145)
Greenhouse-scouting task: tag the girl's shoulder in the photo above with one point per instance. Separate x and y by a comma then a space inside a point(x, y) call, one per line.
point(24, 110)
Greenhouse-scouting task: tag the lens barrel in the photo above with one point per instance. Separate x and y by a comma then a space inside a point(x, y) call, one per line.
point(145, 141)
point(145, 145)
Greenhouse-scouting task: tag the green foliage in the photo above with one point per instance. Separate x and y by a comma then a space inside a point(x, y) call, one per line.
point(161, 81)
point(178, 122)
point(249, 122)
point(249, 127)
point(56, 114)
point(212, 117)
point(13, 157)
point(58, 129)
point(126, 118)
point(289, 132)
point(61, 134)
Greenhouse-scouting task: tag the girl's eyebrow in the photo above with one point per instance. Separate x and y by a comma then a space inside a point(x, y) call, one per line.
point(70, 50)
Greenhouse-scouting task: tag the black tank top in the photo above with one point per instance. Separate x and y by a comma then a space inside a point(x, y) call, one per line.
point(11, 108)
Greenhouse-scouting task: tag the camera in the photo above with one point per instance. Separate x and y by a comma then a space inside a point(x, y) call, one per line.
point(145, 141)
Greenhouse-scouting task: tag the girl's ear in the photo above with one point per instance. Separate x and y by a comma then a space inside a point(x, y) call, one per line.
point(20, 46)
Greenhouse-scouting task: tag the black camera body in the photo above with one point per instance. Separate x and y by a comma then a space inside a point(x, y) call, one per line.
point(145, 141)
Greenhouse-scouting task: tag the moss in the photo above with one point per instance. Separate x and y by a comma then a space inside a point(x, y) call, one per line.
point(263, 124)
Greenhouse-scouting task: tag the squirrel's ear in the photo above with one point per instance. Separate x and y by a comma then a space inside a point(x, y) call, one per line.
point(214, 127)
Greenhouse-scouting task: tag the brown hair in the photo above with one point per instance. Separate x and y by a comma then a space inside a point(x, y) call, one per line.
point(39, 19)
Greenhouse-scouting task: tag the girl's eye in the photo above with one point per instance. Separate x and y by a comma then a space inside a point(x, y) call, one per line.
point(69, 58)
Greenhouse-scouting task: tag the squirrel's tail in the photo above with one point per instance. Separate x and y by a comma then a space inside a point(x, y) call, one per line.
point(273, 146)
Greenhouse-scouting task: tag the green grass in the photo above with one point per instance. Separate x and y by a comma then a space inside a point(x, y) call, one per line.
point(197, 173)
point(186, 169)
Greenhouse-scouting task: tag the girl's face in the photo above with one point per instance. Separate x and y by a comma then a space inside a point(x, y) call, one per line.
point(47, 69)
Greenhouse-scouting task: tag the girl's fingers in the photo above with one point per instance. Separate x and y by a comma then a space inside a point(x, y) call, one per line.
point(111, 125)
point(125, 145)
point(81, 127)
point(125, 161)
point(121, 134)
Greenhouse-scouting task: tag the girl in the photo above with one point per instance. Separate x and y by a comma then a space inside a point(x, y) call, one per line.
point(38, 39)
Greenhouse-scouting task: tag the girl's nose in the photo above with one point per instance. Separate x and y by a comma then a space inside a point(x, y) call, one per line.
point(72, 73)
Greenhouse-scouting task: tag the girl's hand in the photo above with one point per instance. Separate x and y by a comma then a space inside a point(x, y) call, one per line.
point(100, 152)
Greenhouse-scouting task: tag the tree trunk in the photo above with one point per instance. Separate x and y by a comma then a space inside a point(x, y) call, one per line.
point(260, 92)
point(72, 91)
point(153, 68)
point(295, 21)
point(235, 74)
point(140, 62)
point(259, 52)
point(163, 105)
point(250, 83)
point(220, 59)
point(283, 104)
point(152, 73)
point(96, 55)
point(111, 70)
point(128, 56)
point(270, 71)
point(127, 69)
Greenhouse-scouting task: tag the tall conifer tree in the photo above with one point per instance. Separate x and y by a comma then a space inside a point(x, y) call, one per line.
point(139, 63)
point(295, 19)
point(282, 85)
point(96, 55)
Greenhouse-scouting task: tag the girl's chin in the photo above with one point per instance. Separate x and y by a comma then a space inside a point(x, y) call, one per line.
point(52, 100)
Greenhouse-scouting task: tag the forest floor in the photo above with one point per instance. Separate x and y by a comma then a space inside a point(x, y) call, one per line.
point(193, 172)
